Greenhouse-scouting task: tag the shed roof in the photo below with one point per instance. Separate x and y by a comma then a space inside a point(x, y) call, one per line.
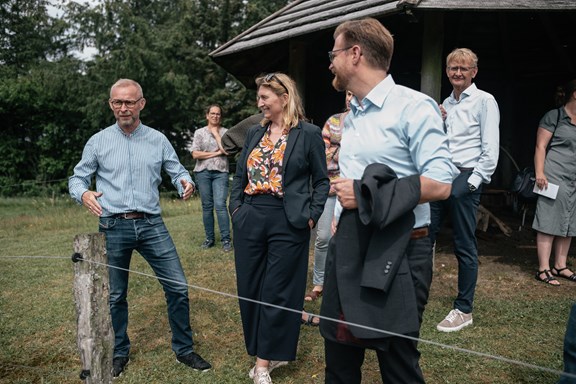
point(301, 17)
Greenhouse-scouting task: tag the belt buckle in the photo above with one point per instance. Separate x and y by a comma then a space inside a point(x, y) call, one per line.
point(418, 233)
point(132, 215)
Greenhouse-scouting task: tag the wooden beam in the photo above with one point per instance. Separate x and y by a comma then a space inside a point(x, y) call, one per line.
point(408, 3)
point(432, 58)
point(91, 291)
point(297, 66)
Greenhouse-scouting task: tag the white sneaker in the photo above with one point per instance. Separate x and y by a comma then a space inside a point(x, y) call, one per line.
point(455, 321)
point(262, 376)
point(272, 365)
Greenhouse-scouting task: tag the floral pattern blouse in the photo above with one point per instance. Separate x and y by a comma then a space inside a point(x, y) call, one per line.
point(264, 166)
point(332, 135)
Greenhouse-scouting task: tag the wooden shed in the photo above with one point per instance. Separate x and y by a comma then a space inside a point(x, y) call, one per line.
point(526, 48)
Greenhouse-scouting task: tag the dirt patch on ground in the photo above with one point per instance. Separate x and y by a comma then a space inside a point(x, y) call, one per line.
point(506, 263)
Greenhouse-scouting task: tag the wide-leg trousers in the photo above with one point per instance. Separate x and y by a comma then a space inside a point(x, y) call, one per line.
point(271, 259)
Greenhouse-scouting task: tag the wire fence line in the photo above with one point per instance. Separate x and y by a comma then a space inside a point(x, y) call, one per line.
point(39, 182)
point(384, 332)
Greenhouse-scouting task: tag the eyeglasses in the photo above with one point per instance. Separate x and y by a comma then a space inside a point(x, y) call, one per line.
point(272, 76)
point(461, 69)
point(332, 54)
point(117, 104)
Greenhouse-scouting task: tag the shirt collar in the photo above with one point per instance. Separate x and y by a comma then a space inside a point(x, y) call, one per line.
point(376, 97)
point(138, 128)
point(466, 93)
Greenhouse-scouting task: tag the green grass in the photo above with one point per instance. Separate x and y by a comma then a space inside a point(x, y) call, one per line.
point(515, 317)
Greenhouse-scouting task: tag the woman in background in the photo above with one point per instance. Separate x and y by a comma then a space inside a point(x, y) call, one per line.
point(555, 219)
point(331, 133)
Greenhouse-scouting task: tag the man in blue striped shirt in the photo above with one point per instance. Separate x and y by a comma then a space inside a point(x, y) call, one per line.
point(126, 159)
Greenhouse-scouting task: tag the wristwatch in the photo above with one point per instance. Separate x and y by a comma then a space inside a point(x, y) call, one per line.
point(471, 187)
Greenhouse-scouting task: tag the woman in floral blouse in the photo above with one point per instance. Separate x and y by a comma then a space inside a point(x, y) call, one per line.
point(278, 195)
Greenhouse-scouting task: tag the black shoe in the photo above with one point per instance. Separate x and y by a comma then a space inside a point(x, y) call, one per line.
point(207, 244)
point(226, 246)
point(194, 361)
point(119, 364)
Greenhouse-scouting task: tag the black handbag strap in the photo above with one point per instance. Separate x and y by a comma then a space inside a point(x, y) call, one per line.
point(554, 131)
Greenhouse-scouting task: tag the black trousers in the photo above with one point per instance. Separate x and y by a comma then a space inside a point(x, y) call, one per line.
point(398, 357)
point(271, 259)
point(398, 363)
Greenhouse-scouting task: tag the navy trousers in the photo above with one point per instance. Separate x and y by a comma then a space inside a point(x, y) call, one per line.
point(271, 259)
point(462, 206)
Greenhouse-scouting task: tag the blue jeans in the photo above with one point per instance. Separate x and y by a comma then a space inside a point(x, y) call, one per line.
point(151, 239)
point(462, 206)
point(323, 236)
point(213, 187)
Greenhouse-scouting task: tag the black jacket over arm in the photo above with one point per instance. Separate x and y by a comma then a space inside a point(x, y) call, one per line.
point(368, 278)
point(304, 176)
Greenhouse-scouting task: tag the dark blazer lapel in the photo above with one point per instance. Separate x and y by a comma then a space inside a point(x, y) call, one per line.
point(255, 139)
point(294, 132)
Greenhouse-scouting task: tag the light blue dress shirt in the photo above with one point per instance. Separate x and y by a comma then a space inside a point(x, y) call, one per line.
point(473, 128)
point(401, 128)
point(128, 169)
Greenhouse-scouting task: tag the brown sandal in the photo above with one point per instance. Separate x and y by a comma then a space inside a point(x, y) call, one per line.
point(549, 278)
point(556, 272)
point(313, 295)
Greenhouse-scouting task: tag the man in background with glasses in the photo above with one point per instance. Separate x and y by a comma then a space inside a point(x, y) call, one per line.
point(127, 159)
point(471, 121)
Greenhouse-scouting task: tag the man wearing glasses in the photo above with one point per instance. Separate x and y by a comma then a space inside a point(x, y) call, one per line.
point(127, 159)
point(471, 121)
point(393, 160)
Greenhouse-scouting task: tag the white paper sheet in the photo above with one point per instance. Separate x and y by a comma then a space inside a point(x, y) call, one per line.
point(549, 192)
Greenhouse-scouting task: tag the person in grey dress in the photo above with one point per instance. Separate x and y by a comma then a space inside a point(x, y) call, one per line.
point(555, 219)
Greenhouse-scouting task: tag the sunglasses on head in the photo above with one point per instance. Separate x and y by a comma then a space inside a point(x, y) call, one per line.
point(272, 76)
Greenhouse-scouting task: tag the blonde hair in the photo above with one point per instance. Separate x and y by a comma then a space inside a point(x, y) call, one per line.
point(375, 40)
point(125, 83)
point(281, 84)
point(464, 54)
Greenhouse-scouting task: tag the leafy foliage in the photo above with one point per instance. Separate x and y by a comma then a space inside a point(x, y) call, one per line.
point(51, 102)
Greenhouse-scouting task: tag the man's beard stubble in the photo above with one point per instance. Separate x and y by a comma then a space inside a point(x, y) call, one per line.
point(338, 84)
point(126, 121)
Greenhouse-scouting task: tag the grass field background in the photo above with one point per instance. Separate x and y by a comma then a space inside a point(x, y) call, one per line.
point(516, 317)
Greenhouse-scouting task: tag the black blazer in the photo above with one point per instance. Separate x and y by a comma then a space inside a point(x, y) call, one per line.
point(367, 275)
point(304, 174)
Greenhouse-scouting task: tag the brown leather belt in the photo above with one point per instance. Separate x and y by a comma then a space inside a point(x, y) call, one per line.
point(418, 233)
point(130, 215)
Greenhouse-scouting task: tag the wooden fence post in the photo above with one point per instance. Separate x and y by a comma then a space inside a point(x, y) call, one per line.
point(91, 292)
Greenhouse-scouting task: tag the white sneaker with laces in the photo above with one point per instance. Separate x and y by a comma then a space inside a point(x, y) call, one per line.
point(262, 376)
point(272, 365)
point(455, 321)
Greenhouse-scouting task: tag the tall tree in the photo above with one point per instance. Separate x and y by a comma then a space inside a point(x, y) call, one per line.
point(165, 46)
point(31, 43)
point(51, 102)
